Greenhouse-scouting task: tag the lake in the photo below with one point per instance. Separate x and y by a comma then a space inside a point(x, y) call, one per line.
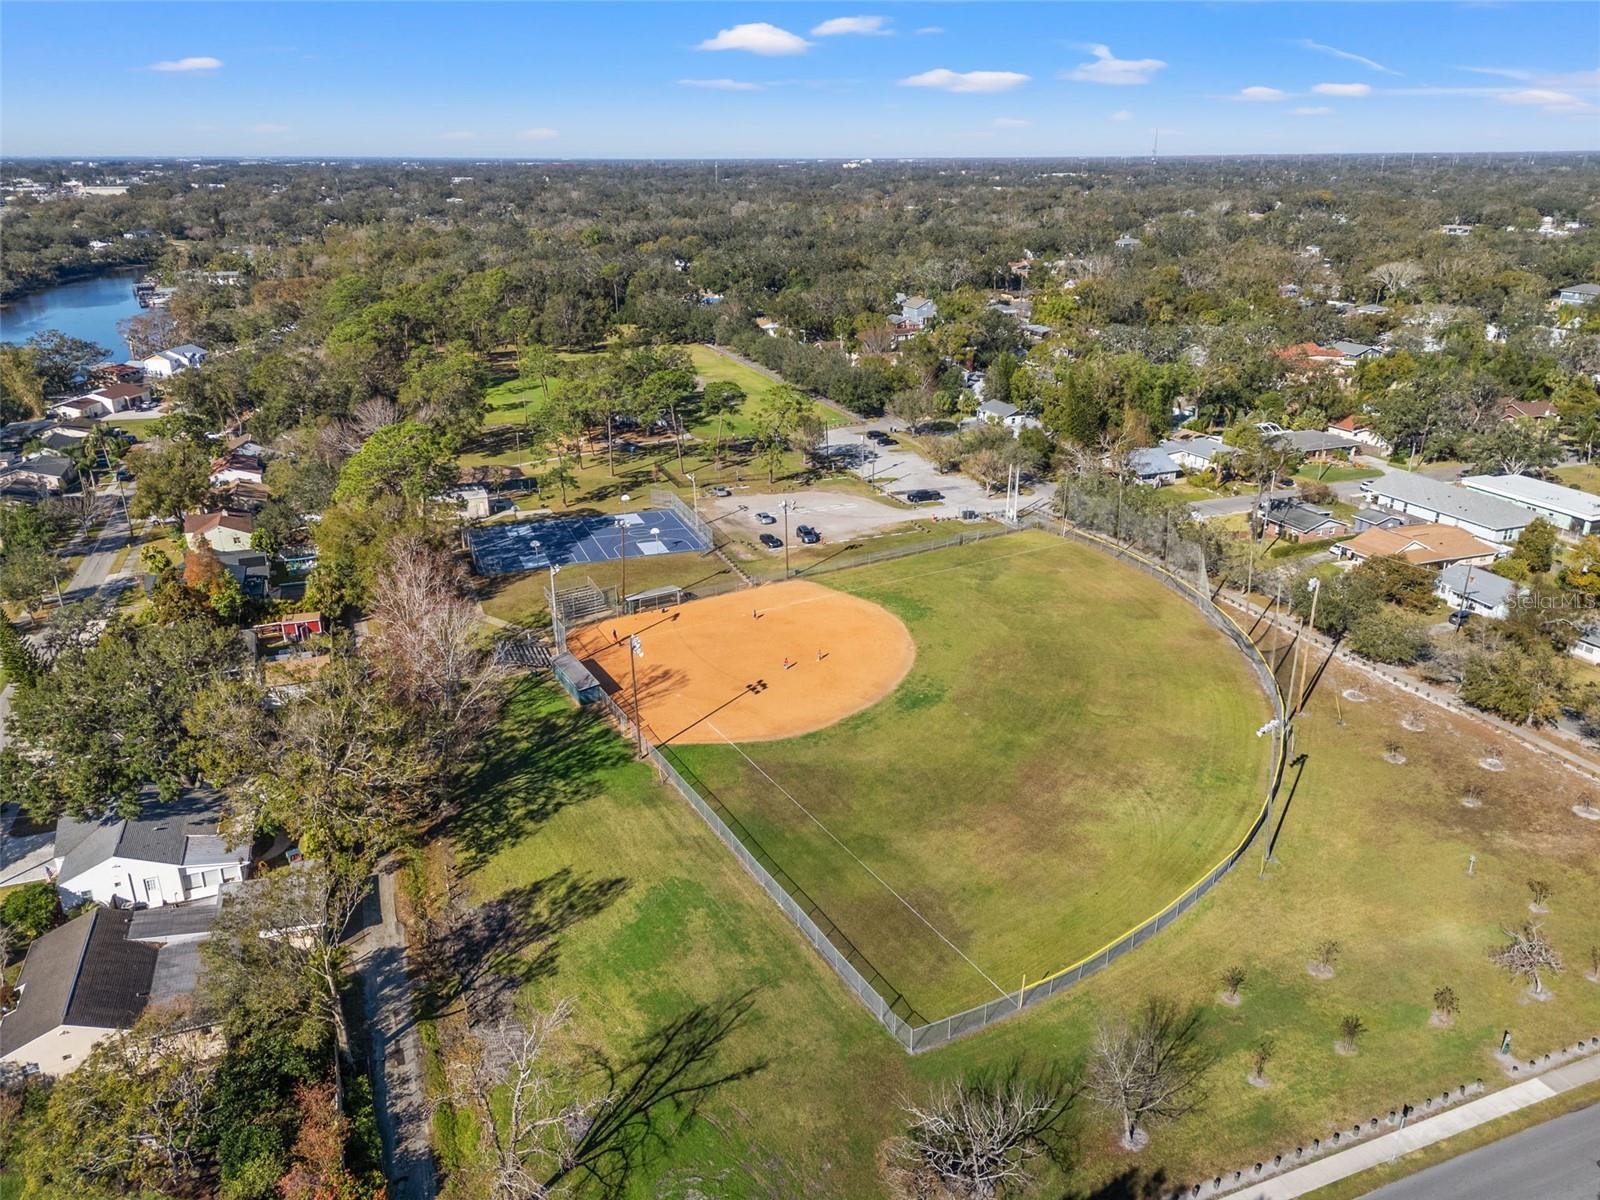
point(85, 308)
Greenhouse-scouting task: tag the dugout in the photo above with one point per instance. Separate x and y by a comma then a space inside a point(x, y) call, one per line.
point(576, 679)
point(653, 599)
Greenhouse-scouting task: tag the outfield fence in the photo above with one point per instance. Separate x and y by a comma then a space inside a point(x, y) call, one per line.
point(908, 1027)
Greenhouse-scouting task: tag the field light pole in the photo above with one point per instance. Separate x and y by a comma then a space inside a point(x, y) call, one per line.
point(694, 495)
point(623, 525)
point(786, 539)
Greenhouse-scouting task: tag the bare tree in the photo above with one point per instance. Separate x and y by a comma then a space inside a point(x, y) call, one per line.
point(1232, 981)
point(1526, 954)
point(1149, 1068)
point(980, 1137)
point(1328, 951)
point(1395, 277)
point(427, 647)
point(1540, 891)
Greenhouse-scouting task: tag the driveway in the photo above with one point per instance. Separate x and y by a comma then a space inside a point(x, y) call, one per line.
point(902, 469)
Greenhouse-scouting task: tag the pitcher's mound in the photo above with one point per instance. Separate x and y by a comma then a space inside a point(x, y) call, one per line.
point(713, 670)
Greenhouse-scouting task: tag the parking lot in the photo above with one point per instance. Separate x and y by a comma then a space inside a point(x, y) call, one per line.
point(908, 471)
point(834, 515)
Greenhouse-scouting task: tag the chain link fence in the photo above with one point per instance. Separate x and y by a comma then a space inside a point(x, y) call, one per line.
point(1181, 567)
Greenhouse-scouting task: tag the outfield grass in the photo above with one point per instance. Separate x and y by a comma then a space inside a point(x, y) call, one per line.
point(1371, 854)
point(1010, 791)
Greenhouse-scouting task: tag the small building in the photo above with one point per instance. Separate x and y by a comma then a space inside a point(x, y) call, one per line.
point(1426, 545)
point(1296, 522)
point(1471, 589)
point(234, 466)
point(80, 983)
point(50, 473)
point(1483, 516)
point(1456, 230)
point(169, 362)
point(296, 627)
point(251, 568)
point(1153, 466)
point(915, 311)
point(1587, 647)
point(998, 412)
point(171, 852)
point(1127, 242)
point(1355, 352)
point(1318, 446)
point(1564, 507)
point(1540, 412)
point(1377, 518)
point(105, 401)
point(219, 530)
point(1579, 293)
point(470, 501)
point(1197, 453)
point(1358, 429)
point(1304, 356)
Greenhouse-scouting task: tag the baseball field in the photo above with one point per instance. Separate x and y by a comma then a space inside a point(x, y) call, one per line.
point(982, 763)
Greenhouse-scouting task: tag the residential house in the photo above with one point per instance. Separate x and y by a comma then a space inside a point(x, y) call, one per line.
point(1579, 293)
point(80, 983)
point(169, 362)
point(106, 401)
point(1358, 429)
point(1316, 445)
point(1473, 590)
point(1304, 356)
point(915, 311)
point(1427, 545)
point(1487, 517)
point(1127, 242)
point(102, 374)
point(1377, 518)
point(768, 326)
point(1564, 507)
point(1296, 522)
point(232, 466)
point(1587, 647)
point(1197, 453)
point(296, 627)
point(1372, 310)
point(1540, 412)
point(998, 412)
point(251, 568)
point(1456, 230)
point(1354, 352)
point(171, 852)
point(242, 496)
point(219, 530)
point(19, 433)
point(47, 472)
point(1153, 466)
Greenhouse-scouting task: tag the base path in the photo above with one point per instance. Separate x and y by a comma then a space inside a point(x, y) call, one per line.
point(722, 661)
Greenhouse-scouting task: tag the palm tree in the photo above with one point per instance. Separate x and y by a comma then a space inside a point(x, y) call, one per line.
point(721, 399)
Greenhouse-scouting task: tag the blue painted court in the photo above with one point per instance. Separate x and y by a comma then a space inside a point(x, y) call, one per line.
point(533, 545)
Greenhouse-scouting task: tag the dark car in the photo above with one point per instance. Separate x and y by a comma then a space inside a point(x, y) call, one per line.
point(771, 541)
point(877, 435)
point(808, 535)
point(1459, 618)
point(886, 442)
point(923, 495)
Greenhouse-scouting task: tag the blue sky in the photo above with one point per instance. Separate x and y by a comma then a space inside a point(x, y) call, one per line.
point(741, 79)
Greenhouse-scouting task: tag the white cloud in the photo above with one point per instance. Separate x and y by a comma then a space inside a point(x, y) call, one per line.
point(539, 133)
point(966, 81)
point(758, 38)
point(867, 26)
point(1311, 110)
point(1308, 44)
point(930, 29)
point(1343, 89)
point(1107, 68)
point(721, 85)
point(198, 63)
point(1011, 122)
point(459, 135)
point(1550, 101)
point(1261, 93)
point(1121, 114)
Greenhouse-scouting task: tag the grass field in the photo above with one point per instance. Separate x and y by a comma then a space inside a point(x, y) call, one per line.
point(1011, 791)
point(1368, 853)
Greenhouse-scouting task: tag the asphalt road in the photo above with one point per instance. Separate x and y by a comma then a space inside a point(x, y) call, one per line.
point(1552, 1161)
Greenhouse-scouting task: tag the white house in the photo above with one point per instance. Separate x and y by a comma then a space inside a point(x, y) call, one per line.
point(471, 501)
point(1587, 647)
point(171, 852)
point(1197, 454)
point(169, 362)
point(222, 530)
point(1564, 507)
point(1359, 429)
point(1466, 588)
point(1579, 293)
point(80, 984)
point(998, 412)
point(1153, 466)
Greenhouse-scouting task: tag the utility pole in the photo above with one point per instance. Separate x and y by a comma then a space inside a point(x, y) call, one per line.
point(635, 653)
point(786, 539)
point(623, 525)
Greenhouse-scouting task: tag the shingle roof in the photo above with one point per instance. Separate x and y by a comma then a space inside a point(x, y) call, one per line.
point(1151, 461)
point(1485, 587)
point(1300, 517)
point(1313, 441)
point(1421, 544)
point(84, 973)
point(161, 833)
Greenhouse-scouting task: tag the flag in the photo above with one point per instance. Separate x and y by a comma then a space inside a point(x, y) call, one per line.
point(638, 647)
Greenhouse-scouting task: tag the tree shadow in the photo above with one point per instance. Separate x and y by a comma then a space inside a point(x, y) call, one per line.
point(489, 951)
point(1134, 1183)
point(532, 764)
point(651, 1097)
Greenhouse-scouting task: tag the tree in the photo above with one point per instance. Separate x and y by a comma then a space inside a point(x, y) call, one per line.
point(721, 399)
point(1522, 686)
point(29, 574)
point(21, 388)
point(319, 1172)
point(562, 477)
point(171, 480)
point(134, 1117)
point(61, 361)
point(1387, 636)
point(1264, 460)
point(1513, 448)
point(30, 911)
point(537, 362)
point(19, 661)
point(1232, 981)
point(1526, 954)
point(1148, 1068)
point(1260, 1055)
point(405, 460)
point(1393, 278)
point(979, 1136)
point(1351, 1027)
point(1582, 573)
point(1446, 1004)
point(150, 332)
point(1327, 954)
point(913, 406)
point(1540, 891)
point(1536, 545)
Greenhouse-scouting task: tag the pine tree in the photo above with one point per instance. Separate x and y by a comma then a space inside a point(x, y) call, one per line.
point(18, 660)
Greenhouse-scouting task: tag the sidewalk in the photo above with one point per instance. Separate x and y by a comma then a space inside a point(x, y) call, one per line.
point(1390, 1146)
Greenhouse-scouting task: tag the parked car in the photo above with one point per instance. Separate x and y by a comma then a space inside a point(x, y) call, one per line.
point(719, 490)
point(887, 441)
point(1459, 618)
point(771, 541)
point(877, 435)
point(923, 495)
point(766, 518)
point(808, 535)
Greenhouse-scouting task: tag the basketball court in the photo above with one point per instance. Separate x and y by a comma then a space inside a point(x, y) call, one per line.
point(508, 548)
point(714, 670)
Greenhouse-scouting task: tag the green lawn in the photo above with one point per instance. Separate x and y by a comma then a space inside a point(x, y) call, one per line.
point(1011, 790)
point(1369, 853)
point(1328, 473)
point(1585, 477)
